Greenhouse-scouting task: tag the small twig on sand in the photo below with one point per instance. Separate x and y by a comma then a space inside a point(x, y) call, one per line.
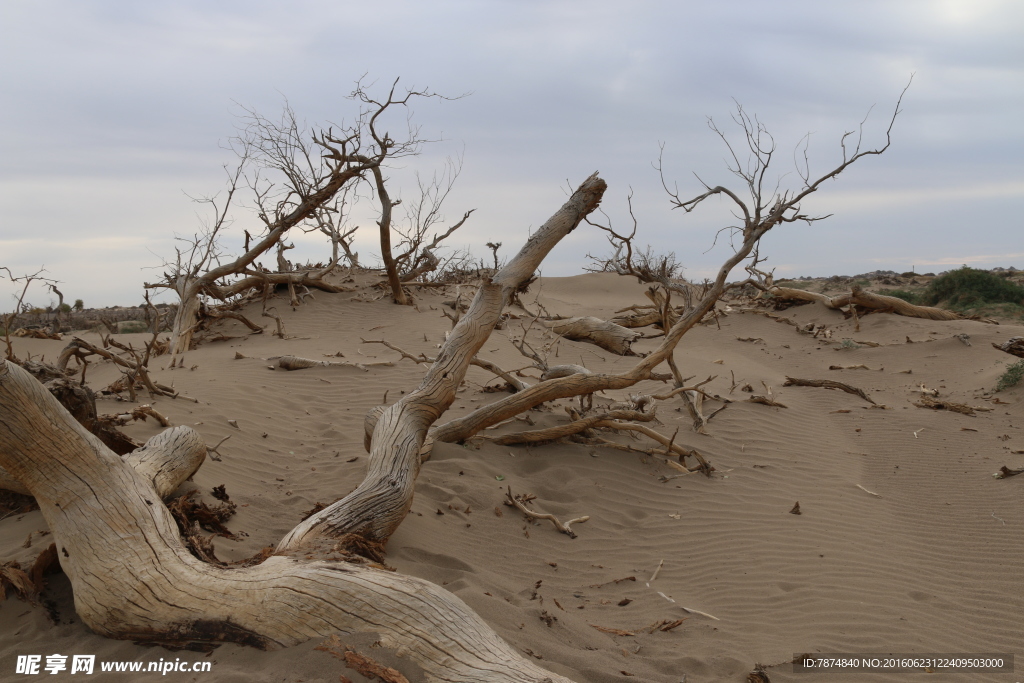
point(687, 609)
point(877, 495)
point(514, 501)
point(655, 574)
point(768, 400)
point(210, 450)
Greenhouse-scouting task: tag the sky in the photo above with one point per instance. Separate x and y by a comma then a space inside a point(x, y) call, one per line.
point(114, 114)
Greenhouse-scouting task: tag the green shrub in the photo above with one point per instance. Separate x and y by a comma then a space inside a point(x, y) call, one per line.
point(906, 295)
point(969, 287)
point(1012, 377)
point(132, 326)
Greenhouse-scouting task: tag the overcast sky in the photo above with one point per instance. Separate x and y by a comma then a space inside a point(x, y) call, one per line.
point(112, 113)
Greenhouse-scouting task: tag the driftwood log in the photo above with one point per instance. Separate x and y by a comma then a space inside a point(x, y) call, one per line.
point(607, 335)
point(792, 294)
point(858, 297)
point(1014, 346)
point(133, 578)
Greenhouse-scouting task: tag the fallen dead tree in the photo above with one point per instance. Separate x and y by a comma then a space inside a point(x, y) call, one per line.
point(892, 304)
point(607, 335)
point(135, 369)
point(867, 300)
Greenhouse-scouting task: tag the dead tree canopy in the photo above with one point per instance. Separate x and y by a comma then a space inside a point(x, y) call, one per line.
point(298, 178)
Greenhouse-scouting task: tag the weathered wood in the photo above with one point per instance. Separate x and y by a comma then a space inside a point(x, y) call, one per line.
point(827, 384)
point(110, 526)
point(166, 460)
point(793, 294)
point(858, 297)
point(578, 384)
point(898, 306)
point(575, 427)
point(134, 579)
point(1014, 346)
point(607, 335)
point(299, 363)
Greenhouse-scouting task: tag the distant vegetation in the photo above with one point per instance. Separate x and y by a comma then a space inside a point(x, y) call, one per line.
point(905, 294)
point(965, 288)
point(1012, 377)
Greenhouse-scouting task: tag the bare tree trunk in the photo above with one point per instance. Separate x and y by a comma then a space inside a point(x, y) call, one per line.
point(185, 319)
point(386, 206)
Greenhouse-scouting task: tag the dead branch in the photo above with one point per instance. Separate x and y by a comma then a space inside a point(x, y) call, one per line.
point(934, 404)
point(298, 363)
point(80, 348)
point(519, 502)
point(768, 399)
point(516, 384)
point(827, 384)
point(607, 335)
point(11, 318)
point(575, 427)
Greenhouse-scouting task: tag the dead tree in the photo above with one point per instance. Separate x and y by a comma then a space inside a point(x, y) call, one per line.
point(416, 258)
point(307, 170)
point(134, 578)
point(417, 255)
point(24, 282)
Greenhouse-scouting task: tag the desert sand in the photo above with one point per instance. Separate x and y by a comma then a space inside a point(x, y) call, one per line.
point(905, 543)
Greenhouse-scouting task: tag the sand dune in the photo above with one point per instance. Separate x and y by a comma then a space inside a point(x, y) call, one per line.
point(906, 543)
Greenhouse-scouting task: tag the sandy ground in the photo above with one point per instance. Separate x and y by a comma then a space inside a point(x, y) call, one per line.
point(928, 559)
